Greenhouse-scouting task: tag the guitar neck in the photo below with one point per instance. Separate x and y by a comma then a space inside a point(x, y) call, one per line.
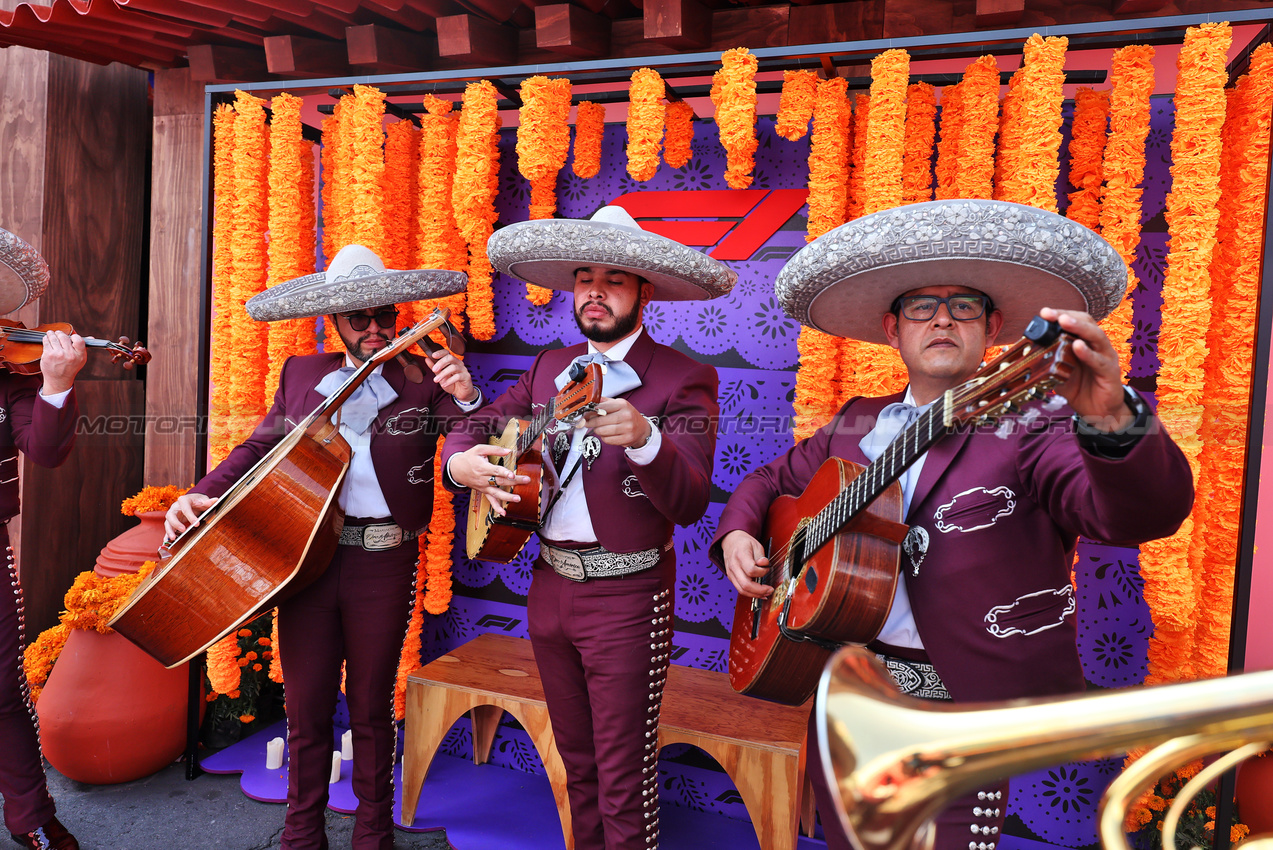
point(537, 425)
point(907, 448)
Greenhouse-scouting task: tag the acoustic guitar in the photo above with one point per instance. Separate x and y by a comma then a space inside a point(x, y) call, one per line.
point(834, 549)
point(271, 534)
point(496, 538)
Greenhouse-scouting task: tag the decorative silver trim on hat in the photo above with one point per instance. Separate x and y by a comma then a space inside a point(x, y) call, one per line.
point(28, 274)
point(546, 252)
point(1023, 257)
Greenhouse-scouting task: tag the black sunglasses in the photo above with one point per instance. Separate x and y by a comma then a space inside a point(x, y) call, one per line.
point(361, 321)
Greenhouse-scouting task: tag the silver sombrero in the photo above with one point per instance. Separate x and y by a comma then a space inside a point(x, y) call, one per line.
point(1023, 257)
point(23, 273)
point(546, 252)
point(356, 279)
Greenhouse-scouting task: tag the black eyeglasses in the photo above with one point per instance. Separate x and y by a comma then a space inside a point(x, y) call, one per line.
point(922, 308)
point(361, 321)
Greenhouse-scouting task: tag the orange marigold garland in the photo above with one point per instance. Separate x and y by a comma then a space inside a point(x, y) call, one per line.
point(276, 660)
point(645, 123)
point(473, 196)
point(886, 134)
point(291, 217)
point(797, 103)
point(921, 132)
point(979, 119)
point(543, 143)
point(678, 141)
point(1033, 180)
point(1235, 295)
point(150, 499)
point(952, 119)
point(366, 224)
point(735, 102)
point(438, 239)
point(223, 362)
point(857, 158)
point(337, 156)
point(1131, 84)
point(1008, 155)
point(1087, 150)
point(247, 401)
point(590, 127)
point(1192, 213)
point(399, 187)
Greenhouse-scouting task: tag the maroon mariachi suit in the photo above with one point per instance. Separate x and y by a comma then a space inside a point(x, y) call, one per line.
point(602, 645)
point(357, 611)
point(994, 521)
point(44, 434)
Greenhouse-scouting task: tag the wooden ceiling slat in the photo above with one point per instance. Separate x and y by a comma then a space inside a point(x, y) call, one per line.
point(471, 38)
point(319, 22)
point(861, 19)
point(499, 11)
point(196, 13)
point(404, 16)
point(571, 31)
point(379, 49)
point(297, 56)
point(999, 13)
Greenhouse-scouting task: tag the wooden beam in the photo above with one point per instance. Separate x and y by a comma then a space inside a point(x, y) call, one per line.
point(1129, 7)
point(826, 22)
point(297, 56)
point(216, 63)
point(678, 23)
point(905, 18)
point(999, 13)
point(469, 38)
point(499, 11)
point(572, 31)
point(389, 51)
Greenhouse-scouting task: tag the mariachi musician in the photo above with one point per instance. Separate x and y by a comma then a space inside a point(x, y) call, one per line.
point(986, 609)
point(357, 612)
point(600, 606)
point(37, 417)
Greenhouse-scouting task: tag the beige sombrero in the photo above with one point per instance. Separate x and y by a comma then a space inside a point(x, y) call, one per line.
point(23, 273)
point(546, 252)
point(356, 279)
point(1023, 257)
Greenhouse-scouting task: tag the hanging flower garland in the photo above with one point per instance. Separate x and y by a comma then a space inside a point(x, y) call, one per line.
point(590, 127)
point(473, 196)
point(921, 132)
point(886, 135)
point(399, 187)
point(1033, 180)
point(1131, 84)
point(1007, 157)
point(1087, 150)
point(365, 224)
point(223, 363)
point(816, 392)
point(543, 143)
point(735, 102)
point(1192, 213)
point(337, 153)
point(797, 103)
point(645, 123)
point(857, 158)
point(276, 661)
point(249, 191)
point(291, 221)
point(979, 119)
point(327, 166)
point(952, 115)
point(678, 142)
point(1235, 296)
point(438, 237)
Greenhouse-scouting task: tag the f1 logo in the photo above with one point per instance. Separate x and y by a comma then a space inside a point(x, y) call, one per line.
point(743, 219)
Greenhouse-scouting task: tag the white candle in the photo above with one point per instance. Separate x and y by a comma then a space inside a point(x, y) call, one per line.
point(347, 745)
point(335, 767)
point(274, 754)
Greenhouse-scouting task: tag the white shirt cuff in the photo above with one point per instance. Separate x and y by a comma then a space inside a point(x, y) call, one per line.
point(644, 455)
point(57, 399)
point(469, 406)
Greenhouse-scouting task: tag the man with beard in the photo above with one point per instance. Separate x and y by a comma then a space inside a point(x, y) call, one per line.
point(600, 605)
point(357, 612)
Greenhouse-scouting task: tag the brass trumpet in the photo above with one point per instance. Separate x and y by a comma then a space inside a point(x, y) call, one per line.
point(896, 761)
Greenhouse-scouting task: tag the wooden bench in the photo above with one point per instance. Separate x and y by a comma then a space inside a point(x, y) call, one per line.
point(759, 744)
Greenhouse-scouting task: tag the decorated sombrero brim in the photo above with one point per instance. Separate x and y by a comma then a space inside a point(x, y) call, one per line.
point(1023, 257)
point(23, 273)
point(356, 279)
point(546, 252)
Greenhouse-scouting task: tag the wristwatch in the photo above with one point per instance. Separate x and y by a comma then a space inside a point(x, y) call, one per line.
point(1122, 439)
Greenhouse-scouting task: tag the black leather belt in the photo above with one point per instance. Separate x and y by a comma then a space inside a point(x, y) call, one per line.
point(376, 536)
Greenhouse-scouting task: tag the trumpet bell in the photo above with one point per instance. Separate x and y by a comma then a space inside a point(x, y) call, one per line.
point(893, 762)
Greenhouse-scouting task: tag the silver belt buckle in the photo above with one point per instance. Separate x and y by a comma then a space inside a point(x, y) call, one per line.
point(567, 564)
point(376, 538)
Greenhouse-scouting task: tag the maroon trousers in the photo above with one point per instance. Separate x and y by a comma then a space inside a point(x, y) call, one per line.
point(27, 804)
point(357, 612)
point(602, 647)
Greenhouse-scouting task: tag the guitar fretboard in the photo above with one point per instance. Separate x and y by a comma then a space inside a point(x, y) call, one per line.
point(537, 425)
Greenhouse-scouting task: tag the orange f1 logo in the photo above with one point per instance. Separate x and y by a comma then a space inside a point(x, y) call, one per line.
point(742, 219)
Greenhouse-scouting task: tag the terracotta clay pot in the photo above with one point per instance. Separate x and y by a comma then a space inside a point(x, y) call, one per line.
point(139, 544)
point(109, 712)
point(1255, 794)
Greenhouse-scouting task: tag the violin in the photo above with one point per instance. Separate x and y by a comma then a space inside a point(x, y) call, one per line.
point(21, 347)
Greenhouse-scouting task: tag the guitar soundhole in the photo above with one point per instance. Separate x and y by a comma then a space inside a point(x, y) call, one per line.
point(811, 578)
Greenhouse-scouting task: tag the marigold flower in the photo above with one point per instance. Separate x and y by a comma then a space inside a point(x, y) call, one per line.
point(590, 126)
point(678, 139)
point(796, 105)
point(473, 196)
point(246, 718)
point(645, 123)
point(735, 101)
point(921, 132)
